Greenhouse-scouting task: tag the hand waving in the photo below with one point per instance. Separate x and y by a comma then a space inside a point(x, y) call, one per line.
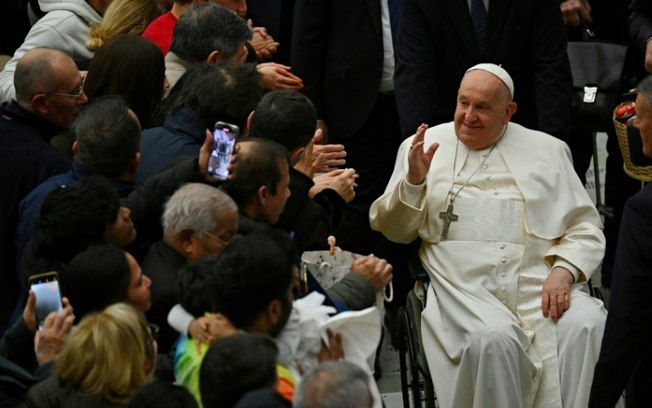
point(418, 159)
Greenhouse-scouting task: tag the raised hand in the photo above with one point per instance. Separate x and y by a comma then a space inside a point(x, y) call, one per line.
point(418, 159)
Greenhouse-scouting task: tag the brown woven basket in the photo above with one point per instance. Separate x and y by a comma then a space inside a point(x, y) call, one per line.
point(642, 173)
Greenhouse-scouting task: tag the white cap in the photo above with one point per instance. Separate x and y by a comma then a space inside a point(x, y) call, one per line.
point(499, 72)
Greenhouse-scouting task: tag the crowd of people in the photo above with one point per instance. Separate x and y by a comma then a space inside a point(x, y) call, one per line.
point(382, 124)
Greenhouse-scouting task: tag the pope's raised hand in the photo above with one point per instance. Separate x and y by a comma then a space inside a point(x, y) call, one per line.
point(418, 159)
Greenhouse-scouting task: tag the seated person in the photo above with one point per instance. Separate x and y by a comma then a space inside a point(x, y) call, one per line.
point(104, 361)
point(236, 365)
point(509, 239)
point(102, 275)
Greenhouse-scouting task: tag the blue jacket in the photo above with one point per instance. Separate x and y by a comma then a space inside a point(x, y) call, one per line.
point(181, 135)
point(31, 205)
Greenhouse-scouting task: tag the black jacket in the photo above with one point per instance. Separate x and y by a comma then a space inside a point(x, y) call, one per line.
point(311, 220)
point(26, 159)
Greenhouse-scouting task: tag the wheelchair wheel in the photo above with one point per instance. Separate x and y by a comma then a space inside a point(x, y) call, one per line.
point(416, 384)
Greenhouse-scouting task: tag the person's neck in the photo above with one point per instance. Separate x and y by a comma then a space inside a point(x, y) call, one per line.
point(178, 9)
point(27, 106)
point(170, 238)
point(98, 5)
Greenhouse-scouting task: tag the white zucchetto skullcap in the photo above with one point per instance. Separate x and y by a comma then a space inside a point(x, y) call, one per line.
point(499, 72)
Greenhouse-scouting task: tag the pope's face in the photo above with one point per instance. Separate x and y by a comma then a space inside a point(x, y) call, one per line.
point(643, 123)
point(483, 109)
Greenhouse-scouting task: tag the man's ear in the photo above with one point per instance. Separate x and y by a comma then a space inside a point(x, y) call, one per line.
point(40, 104)
point(244, 133)
point(274, 311)
point(262, 195)
point(214, 57)
point(511, 110)
point(185, 238)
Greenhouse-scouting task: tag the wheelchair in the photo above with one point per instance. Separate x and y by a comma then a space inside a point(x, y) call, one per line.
point(416, 383)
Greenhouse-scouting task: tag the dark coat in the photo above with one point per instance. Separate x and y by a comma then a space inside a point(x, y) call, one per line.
point(437, 44)
point(26, 159)
point(18, 368)
point(162, 265)
point(181, 135)
point(52, 393)
point(626, 352)
point(31, 205)
point(311, 220)
point(337, 49)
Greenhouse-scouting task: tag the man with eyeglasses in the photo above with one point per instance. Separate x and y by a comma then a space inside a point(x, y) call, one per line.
point(49, 97)
point(199, 221)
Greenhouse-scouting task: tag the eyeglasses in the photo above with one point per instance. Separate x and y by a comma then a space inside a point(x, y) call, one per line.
point(220, 240)
point(75, 93)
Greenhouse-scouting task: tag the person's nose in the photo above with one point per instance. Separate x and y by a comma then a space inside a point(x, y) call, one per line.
point(470, 114)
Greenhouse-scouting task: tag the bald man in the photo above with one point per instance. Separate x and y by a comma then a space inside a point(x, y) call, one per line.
point(509, 239)
point(49, 96)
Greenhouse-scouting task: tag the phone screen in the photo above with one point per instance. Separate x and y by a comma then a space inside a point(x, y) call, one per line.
point(224, 139)
point(48, 296)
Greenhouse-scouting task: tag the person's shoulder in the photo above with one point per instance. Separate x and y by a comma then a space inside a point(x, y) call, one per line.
point(45, 394)
point(642, 201)
point(38, 195)
point(151, 135)
point(162, 22)
point(529, 136)
point(62, 9)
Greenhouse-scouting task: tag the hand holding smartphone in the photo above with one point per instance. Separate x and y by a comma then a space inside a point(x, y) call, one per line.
point(48, 296)
point(224, 140)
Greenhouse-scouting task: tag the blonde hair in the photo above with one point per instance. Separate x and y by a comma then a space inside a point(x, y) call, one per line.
point(104, 356)
point(123, 17)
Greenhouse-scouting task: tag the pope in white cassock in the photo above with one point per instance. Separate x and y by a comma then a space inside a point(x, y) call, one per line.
point(510, 238)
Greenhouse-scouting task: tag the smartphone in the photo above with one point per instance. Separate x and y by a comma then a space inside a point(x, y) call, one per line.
point(48, 296)
point(224, 138)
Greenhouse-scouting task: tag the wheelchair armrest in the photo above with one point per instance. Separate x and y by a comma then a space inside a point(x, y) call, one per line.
point(417, 271)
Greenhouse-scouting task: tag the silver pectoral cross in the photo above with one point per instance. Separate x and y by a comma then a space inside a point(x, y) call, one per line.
point(448, 217)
